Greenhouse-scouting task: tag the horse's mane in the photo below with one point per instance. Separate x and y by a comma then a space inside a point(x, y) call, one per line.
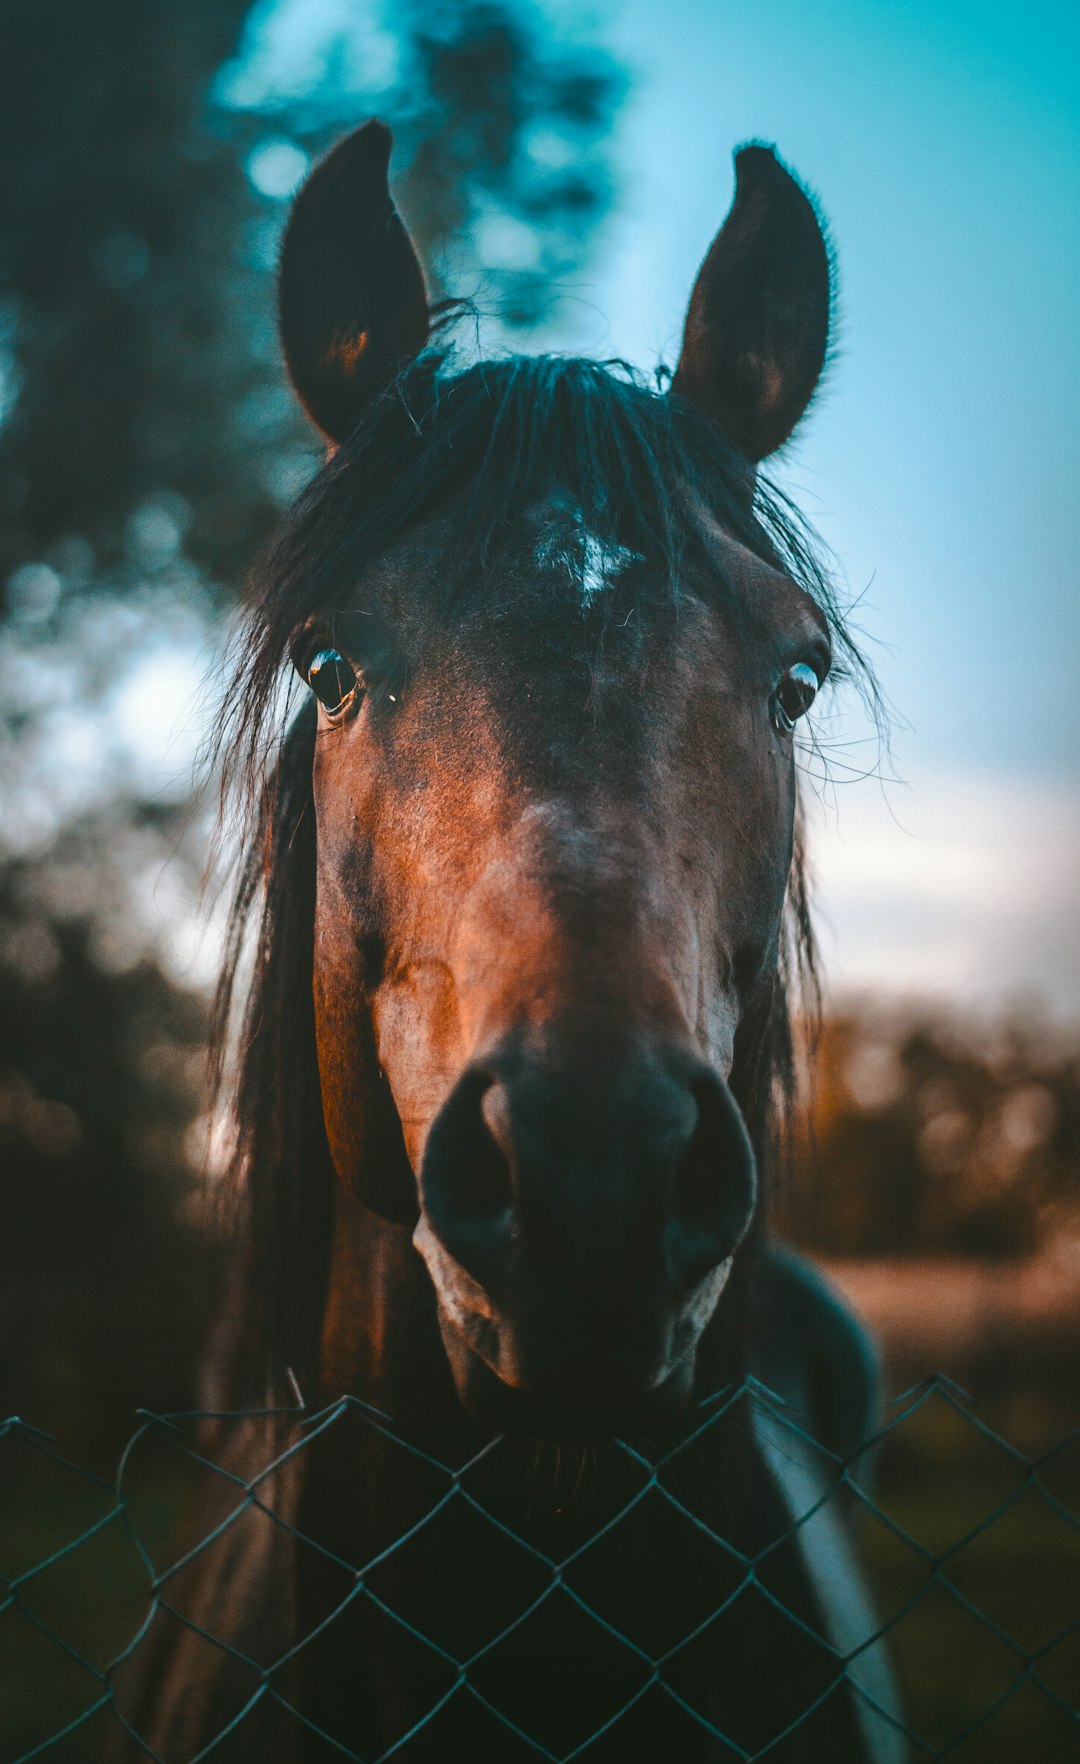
point(634, 460)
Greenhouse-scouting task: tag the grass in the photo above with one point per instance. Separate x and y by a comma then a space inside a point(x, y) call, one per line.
point(986, 1598)
point(78, 1591)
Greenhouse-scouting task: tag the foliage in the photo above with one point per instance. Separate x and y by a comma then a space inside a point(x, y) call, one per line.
point(101, 1079)
point(128, 285)
point(148, 443)
point(501, 130)
point(923, 1136)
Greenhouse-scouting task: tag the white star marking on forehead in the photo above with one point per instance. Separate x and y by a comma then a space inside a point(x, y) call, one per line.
point(596, 562)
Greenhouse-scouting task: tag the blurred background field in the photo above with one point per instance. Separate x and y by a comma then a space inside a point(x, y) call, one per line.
point(565, 174)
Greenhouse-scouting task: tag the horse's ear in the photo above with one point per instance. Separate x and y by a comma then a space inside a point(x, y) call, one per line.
point(351, 296)
point(757, 329)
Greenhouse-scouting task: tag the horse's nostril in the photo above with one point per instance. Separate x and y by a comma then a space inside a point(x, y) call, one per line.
point(642, 1186)
point(495, 1109)
point(484, 1184)
point(714, 1191)
point(466, 1181)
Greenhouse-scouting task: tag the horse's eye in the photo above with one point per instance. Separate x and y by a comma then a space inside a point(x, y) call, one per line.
point(794, 696)
point(331, 678)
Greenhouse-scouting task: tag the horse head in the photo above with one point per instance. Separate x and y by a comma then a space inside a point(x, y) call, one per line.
point(556, 658)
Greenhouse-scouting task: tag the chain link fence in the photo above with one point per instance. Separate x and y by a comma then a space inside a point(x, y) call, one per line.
point(970, 1543)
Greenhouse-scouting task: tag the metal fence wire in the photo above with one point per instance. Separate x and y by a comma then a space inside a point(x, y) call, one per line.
point(972, 1548)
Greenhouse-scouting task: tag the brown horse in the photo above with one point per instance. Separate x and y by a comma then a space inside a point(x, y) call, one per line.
point(517, 1049)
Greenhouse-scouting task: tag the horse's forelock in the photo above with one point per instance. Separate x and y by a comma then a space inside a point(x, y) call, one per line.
point(636, 460)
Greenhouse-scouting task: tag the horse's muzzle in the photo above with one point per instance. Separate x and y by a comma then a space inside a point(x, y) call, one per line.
point(579, 1227)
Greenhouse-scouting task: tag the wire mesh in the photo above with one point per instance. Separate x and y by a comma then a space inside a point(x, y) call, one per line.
point(975, 1608)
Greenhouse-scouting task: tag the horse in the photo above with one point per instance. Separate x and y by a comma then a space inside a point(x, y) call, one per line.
point(523, 905)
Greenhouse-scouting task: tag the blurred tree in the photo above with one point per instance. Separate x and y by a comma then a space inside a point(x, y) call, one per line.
point(103, 1274)
point(922, 1139)
point(148, 442)
point(142, 392)
point(501, 131)
point(127, 288)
